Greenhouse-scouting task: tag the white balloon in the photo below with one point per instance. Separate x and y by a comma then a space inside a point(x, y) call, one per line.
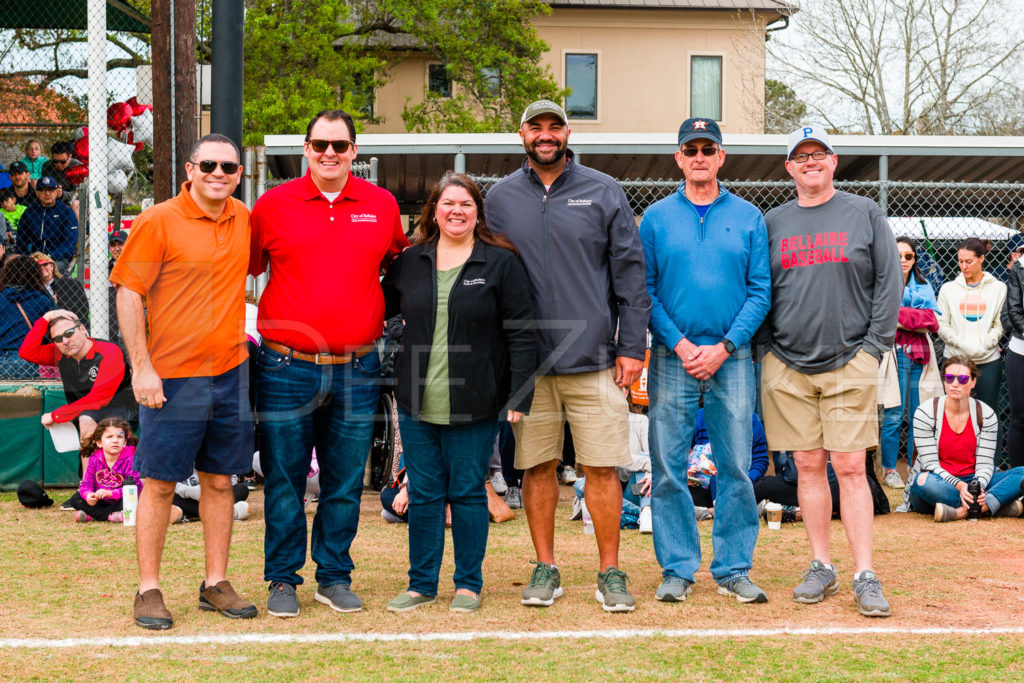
point(119, 155)
point(142, 128)
point(117, 181)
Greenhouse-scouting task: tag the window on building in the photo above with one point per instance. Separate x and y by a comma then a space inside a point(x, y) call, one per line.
point(492, 81)
point(363, 93)
point(438, 81)
point(706, 87)
point(581, 78)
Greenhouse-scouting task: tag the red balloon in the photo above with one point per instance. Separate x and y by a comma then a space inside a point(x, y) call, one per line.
point(119, 116)
point(80, 149)
point(137, 108)
point(76, 174)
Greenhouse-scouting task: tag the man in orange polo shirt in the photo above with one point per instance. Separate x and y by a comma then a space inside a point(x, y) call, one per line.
point(318, 369)
point(187, 257)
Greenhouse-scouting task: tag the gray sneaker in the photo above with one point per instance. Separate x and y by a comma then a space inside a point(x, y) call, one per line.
point(545, 586)
point(339, 597)
point(703, 514)
point(893, 480)
point(282, 601)
point(867, 595)
point(744, 589)
point(514, 498)
point(818, 581)
point(612, 592)
point(673, 589)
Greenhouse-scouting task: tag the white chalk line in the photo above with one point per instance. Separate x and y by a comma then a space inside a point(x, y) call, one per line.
point(303, 638)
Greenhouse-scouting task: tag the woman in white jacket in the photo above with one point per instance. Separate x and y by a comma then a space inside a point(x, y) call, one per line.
point(970, 308)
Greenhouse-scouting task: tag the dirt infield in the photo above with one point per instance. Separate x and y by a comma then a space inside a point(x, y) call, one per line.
point(66, 580)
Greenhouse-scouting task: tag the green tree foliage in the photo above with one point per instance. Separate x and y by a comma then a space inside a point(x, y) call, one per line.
point(491, 52)
point(305, 55)
point(783, 110)
point(292, 68)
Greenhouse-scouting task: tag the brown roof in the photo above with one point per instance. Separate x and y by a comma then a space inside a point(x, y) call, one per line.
point(22, 101)
point(757, 5)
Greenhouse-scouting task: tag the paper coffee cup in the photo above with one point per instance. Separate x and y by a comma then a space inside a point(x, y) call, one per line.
point(774, 514)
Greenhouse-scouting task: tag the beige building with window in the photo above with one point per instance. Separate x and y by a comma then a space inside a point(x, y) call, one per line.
point(638, 66)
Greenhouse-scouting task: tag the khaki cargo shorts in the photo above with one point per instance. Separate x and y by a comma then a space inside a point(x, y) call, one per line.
point(598, 417)
point(833, 410)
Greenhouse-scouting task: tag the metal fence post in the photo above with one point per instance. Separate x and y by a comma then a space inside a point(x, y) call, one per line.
point(883, 183)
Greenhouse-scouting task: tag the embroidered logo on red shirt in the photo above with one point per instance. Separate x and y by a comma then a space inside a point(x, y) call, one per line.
point(363, 218)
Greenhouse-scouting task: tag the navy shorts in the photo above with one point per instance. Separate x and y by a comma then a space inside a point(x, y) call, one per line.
point(206, 424)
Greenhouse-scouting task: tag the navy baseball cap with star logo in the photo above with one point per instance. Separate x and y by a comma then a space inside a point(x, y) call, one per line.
point(699, 129)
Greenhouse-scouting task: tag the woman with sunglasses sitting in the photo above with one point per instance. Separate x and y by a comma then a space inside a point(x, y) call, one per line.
point(915, 364)
point(956, 439)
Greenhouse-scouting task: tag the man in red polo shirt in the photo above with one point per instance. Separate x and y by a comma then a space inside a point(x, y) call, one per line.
point(317, 370)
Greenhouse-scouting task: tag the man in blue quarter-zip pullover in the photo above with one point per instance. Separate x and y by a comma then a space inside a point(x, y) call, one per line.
point(577, 237)
point(710, 285)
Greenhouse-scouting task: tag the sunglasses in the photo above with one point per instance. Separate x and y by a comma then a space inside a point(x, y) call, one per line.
point(339, 146)
point(207, 166)
point(65, 335)
point(909, 257)
point(708, 151)
point(962, 379)
point(804, 156)
point(61, 161)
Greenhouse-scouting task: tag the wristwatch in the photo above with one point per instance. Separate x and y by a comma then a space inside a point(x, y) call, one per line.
point(729, 346)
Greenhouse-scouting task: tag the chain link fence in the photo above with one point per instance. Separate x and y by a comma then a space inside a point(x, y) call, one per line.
point(938, 216)
point(49, 55)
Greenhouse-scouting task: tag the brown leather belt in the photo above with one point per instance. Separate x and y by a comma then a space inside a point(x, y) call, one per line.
point(320, 358)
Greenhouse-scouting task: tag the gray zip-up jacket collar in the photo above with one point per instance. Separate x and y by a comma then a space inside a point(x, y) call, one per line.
point(579, 242)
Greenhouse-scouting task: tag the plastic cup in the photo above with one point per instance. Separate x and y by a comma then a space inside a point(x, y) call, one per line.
point(588, 521)
point(774, 514)
point(130, 500)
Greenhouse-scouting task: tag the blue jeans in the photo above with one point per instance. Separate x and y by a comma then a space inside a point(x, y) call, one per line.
point(1002, 488)
point(447, 464)
point(301, 405)
point(631, 503)
point(728, 405)
point(909, 374)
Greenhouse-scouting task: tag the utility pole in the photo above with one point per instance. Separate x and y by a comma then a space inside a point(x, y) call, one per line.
point(174, 92)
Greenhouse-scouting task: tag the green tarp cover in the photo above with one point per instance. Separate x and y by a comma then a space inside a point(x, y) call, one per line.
point(26, 450)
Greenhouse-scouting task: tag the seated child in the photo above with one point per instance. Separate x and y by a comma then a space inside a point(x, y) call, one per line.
point(111, 452)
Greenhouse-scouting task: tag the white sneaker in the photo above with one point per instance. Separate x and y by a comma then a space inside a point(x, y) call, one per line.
point(498, 483)
point(567, 475)
point(646, 527)
point(241, 510)
point(893, 480)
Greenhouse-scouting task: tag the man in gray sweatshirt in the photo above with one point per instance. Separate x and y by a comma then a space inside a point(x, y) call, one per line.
point(578, 240)
point(836, 290)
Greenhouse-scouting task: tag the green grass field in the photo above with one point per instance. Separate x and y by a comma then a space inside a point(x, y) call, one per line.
point(64, 580)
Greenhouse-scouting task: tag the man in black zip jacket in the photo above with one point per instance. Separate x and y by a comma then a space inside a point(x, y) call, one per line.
point(577, 237)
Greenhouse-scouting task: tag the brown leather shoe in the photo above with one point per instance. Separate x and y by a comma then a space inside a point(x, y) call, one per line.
point(150, 611)
point(223, 598)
